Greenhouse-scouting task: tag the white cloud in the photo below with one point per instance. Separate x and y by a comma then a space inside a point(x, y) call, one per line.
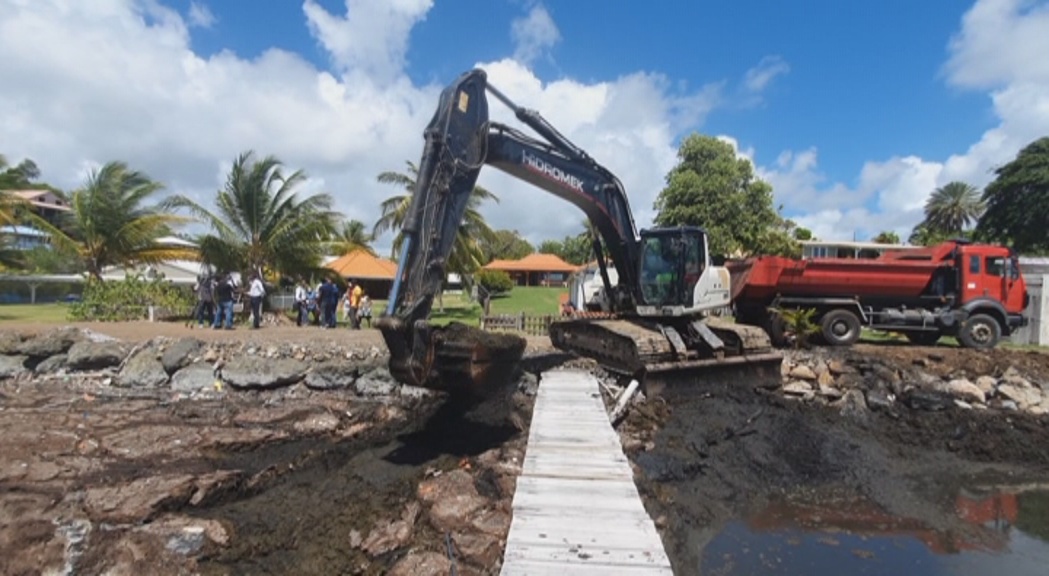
point(200, 15)
point(371, 39)
point(534, 34)
point(759, 77)
point(119, 80)
point(998, 49)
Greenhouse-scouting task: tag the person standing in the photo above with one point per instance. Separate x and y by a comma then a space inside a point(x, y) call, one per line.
point(256, 291)
point(355, 305)
point(224, 299)
point(327, 295)
point(301, 306)
point(205, 301)
point(365, 313)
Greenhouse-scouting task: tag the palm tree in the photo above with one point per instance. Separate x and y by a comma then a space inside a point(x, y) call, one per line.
point(953, 207)
point(349, 237)
point(109, 224)
point(260, 224)
point(886, 237)
point(466, 255)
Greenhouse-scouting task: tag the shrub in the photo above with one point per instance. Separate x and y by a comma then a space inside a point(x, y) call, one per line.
point(129, 299)
point(797, 323)
point(495, 281)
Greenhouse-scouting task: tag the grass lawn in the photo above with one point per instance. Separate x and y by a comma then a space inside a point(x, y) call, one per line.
point(46, 313)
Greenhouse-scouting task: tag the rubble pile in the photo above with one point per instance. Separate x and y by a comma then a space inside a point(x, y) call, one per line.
point(927, 379)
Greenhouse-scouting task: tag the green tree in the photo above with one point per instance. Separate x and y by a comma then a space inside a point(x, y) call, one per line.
point(350, 236)
point(1018, 201)
point(18, 177)
point(467, 254)
point(261, 224)
point(111, 224)
point(505, 245)
point(713, 188)
point(886, 237)
point(555, 247)
point(953, 208)
point(802, 234)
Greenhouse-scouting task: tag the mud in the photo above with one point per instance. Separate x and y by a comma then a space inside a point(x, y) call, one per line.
point(713, 454)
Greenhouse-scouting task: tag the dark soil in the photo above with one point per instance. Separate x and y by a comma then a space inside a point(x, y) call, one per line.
point(713, 452)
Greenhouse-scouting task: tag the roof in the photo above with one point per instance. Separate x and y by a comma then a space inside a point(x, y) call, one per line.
point(23, 231)
point(532, 263)
point(35, 198)
point(362, 265)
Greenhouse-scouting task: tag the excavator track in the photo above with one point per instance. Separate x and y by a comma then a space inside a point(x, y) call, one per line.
point(641, 349)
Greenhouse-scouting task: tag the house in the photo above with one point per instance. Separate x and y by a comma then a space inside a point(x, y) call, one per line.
point(24, 237)
point(535, 270)
point(45, 203)
point(845, 249)
point(375, 275)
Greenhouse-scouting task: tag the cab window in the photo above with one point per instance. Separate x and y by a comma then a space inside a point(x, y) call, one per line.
point(995, 266)
point(974, 264)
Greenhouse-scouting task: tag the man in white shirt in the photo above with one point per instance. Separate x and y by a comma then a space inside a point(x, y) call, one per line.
point(256, 291)
point(301, 306)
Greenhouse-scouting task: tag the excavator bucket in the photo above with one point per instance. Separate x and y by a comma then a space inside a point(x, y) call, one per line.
point(466, 362)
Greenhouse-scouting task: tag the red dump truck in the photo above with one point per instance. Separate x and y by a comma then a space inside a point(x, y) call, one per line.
point(974, 292)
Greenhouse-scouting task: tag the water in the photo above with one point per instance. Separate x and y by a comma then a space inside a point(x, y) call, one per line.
point(1000, 533)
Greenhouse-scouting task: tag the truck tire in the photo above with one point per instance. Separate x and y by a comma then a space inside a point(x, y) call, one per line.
point(923, 338)
point(980, 331)
point(840, 328)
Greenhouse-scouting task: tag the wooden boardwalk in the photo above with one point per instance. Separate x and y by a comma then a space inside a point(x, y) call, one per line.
point(576, 509)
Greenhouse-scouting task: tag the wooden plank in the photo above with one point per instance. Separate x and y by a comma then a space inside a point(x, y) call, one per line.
point(576, 509)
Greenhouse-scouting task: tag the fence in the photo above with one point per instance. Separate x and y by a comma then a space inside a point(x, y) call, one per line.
point(533, 325)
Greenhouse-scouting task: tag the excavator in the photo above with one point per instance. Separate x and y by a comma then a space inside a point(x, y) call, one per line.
point(659, 312)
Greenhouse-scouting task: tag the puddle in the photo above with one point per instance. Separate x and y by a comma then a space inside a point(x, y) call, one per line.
point(1001, 532)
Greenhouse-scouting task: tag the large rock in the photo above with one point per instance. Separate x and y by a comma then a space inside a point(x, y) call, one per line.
point(334, 375)
point(88, 355)
point(986, 384)
point(927, 399)
point(964, 390)
point(50, 343)
point(1025, 397)
point(51, 364)
point(199, 376)
point(377, 382)
point(142, 370)
point(10, 342)
point(478, 549)
point(802, 372)
point(388, 536)
point(797, 388)
point(422, 563)
point(180, 354)
point(138, 500)
point(446, 485)
point(255, 372)
point(454, 513)
point(854, 406)
point(11, 366)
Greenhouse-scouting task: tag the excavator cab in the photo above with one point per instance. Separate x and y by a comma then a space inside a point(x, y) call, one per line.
point(672, 260)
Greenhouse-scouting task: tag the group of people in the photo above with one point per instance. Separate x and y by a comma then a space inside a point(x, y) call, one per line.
point(216, 296)
point(319, 305)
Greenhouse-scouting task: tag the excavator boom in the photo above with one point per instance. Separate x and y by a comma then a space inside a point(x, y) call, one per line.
point(651, 328)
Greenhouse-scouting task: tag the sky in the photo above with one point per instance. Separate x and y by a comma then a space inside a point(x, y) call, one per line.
point(854, 111)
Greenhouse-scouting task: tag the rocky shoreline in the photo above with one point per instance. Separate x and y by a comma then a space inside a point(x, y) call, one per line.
point(177, 455)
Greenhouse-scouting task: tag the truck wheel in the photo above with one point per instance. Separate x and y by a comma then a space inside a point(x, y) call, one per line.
point(840, 328)
point(923, 338)
point(980, 331)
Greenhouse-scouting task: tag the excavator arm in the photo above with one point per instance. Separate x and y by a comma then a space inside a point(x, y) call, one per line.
point(460, 140)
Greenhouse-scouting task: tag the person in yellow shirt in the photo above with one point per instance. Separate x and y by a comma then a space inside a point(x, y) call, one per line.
point(355, 292)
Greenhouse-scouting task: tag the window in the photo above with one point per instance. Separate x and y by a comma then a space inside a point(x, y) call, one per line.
point(995, 266)
point(974, 264)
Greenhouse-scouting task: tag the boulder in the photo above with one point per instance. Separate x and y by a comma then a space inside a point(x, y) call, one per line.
point(824, 378)
point(964, 390)
point(986, 384)
point(830, 392)
point(388, 536)
point(376, 382)
point(142, 370)
point(797, 388)
point(446, 485)
point(422, 563)
point(199, 376)
point(478, 549)
point(10, 342)
point(252, 372)
point(854, 406)
point(88, 355)
point(50, 343)
point(138, 500)
point(878, 399)
point(454, 513)
point(492, 522)
point(1024, 397)
point(927, 399)
point(802, 372)
point(11, 366)
point(52, 364)
point(317, 423)
point(334, 375)
point(179, 354)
